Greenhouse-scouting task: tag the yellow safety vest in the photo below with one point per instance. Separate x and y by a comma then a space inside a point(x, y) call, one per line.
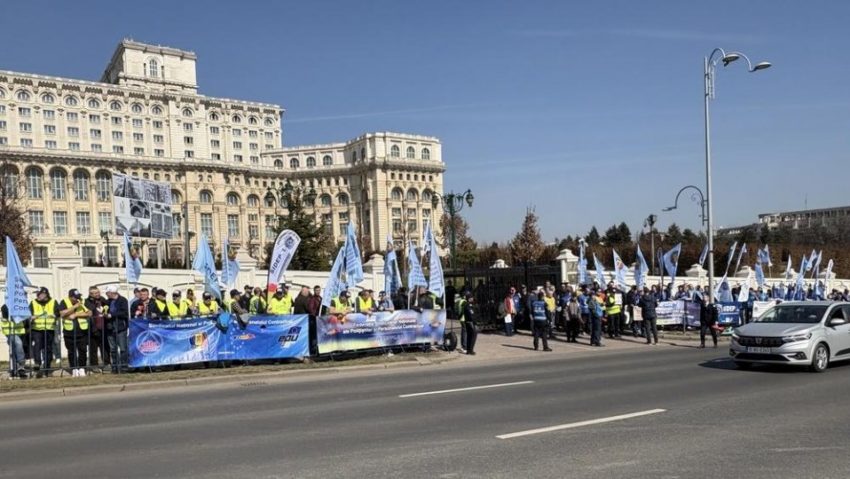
point(44, 316)
point(9, 327)
point(68, 323)
point(205, 310)
point(162, 305)
point(176, 310)
point(228, 305)
point(460, 306)
point(365, 305)
point(280, 306)
point(338, 305)
point(611, 306)
point(550, 303)
point(187, 306)
point(257, 304)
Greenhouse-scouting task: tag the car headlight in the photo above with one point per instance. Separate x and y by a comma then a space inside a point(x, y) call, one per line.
point(797, 337)
point(735, 336)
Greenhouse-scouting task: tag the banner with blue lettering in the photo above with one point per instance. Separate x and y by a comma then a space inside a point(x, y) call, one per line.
point(386, 329)
point(160, 343)
point(730, 315)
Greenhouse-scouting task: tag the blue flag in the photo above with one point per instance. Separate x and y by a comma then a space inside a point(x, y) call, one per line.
point(415, 277)
point(671, 262)
point(805, 265)
point(353, 260)
point(204, 263)
point(723, 293)
point(811, 263)
point(16, 281)
point(600, 271)
point(740, 255)
point(619, 271)
point(788, 269)
point(641, 269)
point(703, 256)
point(731, 257)
point(132, 263)
point(335, 285)
point(229, 266)
point(436, 283)
point(759, 274)
point(582, 264)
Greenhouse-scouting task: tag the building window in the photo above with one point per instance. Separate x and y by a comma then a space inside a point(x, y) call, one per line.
point(96, 147)
point(94, 104)
point(117, 136)
point(395, 152)
point(269, 135)
point(137, 123)
point(326, 200)
point(94, 119)
point(104, 221)
point(253, 120)
point(23, 95)
point(236, 119)
point(397, 194)
point(58, 184)
point(48, 114)
point(187, 112)
point(138, 137)
point(157, 124)
point(342, 199)
point(118, 149)
point(187, 127)
point(26, 127)
point(233, 226)
point(83, 223)
point(39, 256)
point(327, 161)
point(89, 254)
point(35, 183)
point(278, 164)
point(188, 140)
point(157, 110)
point(253, 146)
point(207, 224)
point(24, 112)
point(47, 98)
point(215, 143)
point(270, 225)
point(237, 158)
point(71, 101)
point(36, 222)
point(74, 146)
point(4, 140)
point(189, 154)
point(237, 145)
point(94, 134)
point(252, 133)
point(116, 120)
point(232, 199)
point(138, 151)
point(236, 132)
point(60, 223)
point(153, 68)
point(412, 195)
point(26, 142)
point(426, 154)
point(293, 163)
point(255, 160)
point(253, 201)
point(72, 117)
point(136, 108)
point(354, 156)
point(269, 122)
point(328, 223)
point(158, 138)
point(158, 152)
point(115, 105)
point(216, 156)
point(213, 116)
point(81, 185)
point(50, 144)
point(214, 130)
point(411, 153)
point(206, 196)
point(311, 162)
point(3, 125)
point(426, 196)
point(73, 131)
point(253, 232)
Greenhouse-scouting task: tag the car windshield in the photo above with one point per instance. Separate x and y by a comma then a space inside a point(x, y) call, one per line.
point(793, 314)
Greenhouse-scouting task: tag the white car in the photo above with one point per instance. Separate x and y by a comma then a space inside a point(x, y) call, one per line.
point(797, 333)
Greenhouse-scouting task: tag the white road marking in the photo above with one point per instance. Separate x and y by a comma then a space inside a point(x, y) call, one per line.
point(580, 424)
point(473, 388)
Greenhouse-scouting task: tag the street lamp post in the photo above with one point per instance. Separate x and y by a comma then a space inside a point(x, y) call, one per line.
point(650, 222)
point(452, 205)
point(709, 70)
point(696, 197)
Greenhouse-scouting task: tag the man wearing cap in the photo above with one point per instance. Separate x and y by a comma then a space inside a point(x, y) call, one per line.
point(341, 305)
point(233, 304)
point(281, 301)
point(207, 306)
point(75, 329)
point(117, 322)
point(364, 304)
point(245, 299)
point(257, 303)
point(43, 309)
point(176, 307)
point(159, 309)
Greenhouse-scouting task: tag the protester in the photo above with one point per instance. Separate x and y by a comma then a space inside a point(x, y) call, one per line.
point(384, 303)
point(257, 303)
point(708, 323)
point(207, 306)
point(540, 321)
point(44, 313)
point(613, 310)
point(75, 330)
point(117, 323)
point(176, 307)
point(471, 316)
point(299, 304)
point(364, 304)
point(648, 303)
point(573, 315)
point(280, 302)
point(14, 333)
point(159, 308)
point(97, 304)
point(595, 314)
point(508, 311)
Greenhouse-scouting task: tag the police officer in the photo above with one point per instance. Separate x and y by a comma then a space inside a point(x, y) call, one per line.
point(540, 321)
point(75, 328)
point(471, 315)
point(43, 309)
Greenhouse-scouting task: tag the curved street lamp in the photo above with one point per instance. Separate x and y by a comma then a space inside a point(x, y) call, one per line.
point(452, 204)
point(697, 197)
point(709, 71)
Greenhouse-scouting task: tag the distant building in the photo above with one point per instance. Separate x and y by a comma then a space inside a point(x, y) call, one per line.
point(804, 218)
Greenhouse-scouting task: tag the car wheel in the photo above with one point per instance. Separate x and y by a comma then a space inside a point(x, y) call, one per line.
point(820, 359)
point(743, 365)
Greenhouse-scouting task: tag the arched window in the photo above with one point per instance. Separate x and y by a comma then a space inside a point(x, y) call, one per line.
point(293, 163)
point(412, 195)
point(362, 153)
point(327, 160)
point(311, 162)
point(236, 119)
point(81, 185)
point(269, 122)
point(115, 105)
point(136, 108)
point(232, 199)
point(58, 183)
point(278, 164)
point(153, 68)
point(342, 199)
point(397, 194)
point(103, 185)
point(411, 153)
point(156, 110)
point(176, 197)
point(47, 98)
point(71, 101)
point(206, 196)
point(253, 201)
point(23, 95)
point(187, 112)
point(426, 154)
point(2, 93)
point(10, 181)
point(35, 182)
point(395, 152)
point(213, 116)
point(426, 196)
point(93, 103)
point(269, 200)
point(253, 121)
point(325, 200)
point(354, 156)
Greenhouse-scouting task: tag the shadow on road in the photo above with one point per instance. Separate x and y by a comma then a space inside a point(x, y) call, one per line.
point(518, 347)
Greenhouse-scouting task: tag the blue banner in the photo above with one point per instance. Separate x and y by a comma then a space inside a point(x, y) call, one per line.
point(160, 343)
point(356, 331)
point(730, 314)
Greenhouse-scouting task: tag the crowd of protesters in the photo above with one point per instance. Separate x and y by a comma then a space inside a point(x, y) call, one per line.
point(95, 328)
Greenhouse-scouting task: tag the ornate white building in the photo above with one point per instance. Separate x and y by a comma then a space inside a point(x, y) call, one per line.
point(61, 139)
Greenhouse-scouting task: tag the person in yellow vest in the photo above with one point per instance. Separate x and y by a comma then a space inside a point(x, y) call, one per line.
point(364, 304)
point(14, 333)
point(159, 308)
point(281, 301)
point(549, 299)
point(613, 310)
point(341, 305)
point(257, 304)
point(43, 322)
point(75, 329)
point(190, 304)
point(177, 308)
point(207, 307)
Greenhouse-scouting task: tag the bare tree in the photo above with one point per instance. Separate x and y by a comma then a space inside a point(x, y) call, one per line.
point(13, 212)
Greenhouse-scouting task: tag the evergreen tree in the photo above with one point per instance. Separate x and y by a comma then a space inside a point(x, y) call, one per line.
point(592, 237)
point(674, 234)
point(527, 246)
point(316, 250)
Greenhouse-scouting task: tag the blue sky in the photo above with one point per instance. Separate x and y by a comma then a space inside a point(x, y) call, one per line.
point(591, 112)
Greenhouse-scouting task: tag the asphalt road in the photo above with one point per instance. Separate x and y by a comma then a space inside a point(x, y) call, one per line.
point(716, 422)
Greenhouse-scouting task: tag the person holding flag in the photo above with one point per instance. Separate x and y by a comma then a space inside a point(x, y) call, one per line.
point(16, 312)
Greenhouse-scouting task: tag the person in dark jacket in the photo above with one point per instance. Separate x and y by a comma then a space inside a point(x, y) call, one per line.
point(299, 305)
point(471, 315)
point(117, 321)
point(540, 322)
point(648, 303)
point(707, 323)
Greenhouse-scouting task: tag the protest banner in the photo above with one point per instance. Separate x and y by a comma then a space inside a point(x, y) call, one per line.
point(759, 307)
point(353, 332)
point(142, 208)
point(669, 313)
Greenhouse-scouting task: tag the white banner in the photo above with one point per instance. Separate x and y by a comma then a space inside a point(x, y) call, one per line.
point(284, 249)
point(759, 307)
point(670, 313)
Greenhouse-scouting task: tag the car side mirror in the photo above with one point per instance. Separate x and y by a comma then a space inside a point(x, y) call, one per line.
point(837, 322)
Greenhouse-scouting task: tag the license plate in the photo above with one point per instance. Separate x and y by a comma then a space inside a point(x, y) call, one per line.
point(759, 350)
